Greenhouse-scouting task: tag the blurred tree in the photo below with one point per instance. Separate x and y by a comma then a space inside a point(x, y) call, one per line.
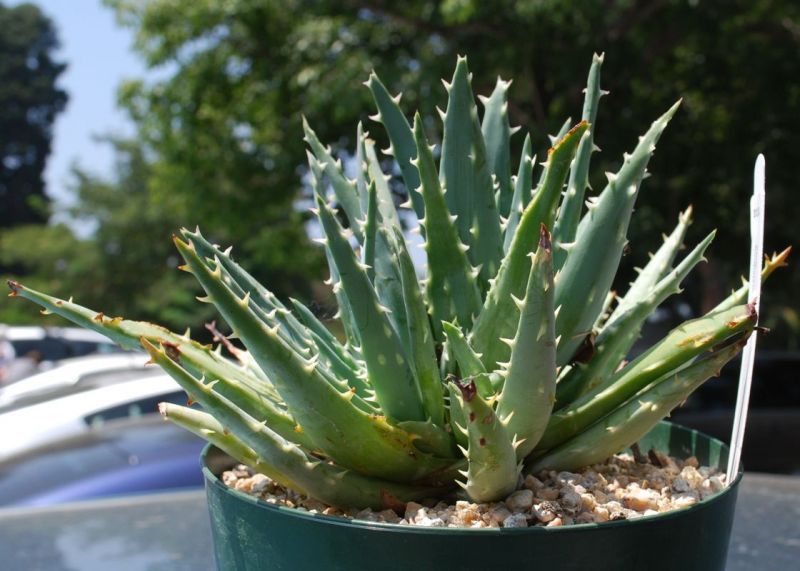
point(29, 103)
point(128, 264)
point(223, 120)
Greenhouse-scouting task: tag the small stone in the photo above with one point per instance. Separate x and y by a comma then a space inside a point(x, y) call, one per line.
point(680, 485)
point(412, 509)
point(532, 483)
point(259, 483)
point(555, 523)
point(601, 513)
point(520, 501)
point(498, 514)
point(641, 500)
point(692, 476)
point(588, 501)
point(516, 520)
point(388, 516)
point(568, 477)
point(547, 494)
point(684, 501)
point(366, 515)
point(570, 500)
point(430, 522)
point(546, 511)
point(691, 461)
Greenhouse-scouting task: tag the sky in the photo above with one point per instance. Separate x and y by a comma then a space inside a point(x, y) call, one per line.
point(99, 56)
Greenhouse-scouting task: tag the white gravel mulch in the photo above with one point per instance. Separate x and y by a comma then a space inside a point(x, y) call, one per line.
point(620, 488)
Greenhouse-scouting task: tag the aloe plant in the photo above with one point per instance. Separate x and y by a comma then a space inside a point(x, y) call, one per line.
point(509, 356)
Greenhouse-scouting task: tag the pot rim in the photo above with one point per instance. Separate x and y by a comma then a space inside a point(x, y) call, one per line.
point(212, 479)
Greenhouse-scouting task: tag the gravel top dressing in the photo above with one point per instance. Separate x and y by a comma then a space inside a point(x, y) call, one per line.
point(624, 487)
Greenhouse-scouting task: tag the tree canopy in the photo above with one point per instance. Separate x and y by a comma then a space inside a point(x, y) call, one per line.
point(29, 103)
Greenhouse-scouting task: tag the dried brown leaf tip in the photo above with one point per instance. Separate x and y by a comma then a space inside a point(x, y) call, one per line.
point(15, 288)
point(468, 390)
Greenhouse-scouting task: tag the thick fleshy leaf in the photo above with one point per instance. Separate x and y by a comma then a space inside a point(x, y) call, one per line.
point(496, 132)
point(569, 213)
point(403, 147)
point(636, 417)
point(622, 330)
point(529, 385)
point(499, 317)
point(492, 468)
point(671, 354)
point(592, 263)
point(452, 290)
point(466, 178)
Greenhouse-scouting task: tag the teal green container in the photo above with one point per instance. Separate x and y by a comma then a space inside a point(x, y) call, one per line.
point(252, 535)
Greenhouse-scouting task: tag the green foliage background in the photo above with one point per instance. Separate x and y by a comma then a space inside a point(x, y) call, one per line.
point(220, 142)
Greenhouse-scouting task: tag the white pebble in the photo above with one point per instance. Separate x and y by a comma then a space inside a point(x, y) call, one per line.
point(516, 520)
point(520, 501)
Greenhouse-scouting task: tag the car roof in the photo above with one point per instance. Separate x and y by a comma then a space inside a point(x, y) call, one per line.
point(26, 332)
point(39, 423)
point(69, 372)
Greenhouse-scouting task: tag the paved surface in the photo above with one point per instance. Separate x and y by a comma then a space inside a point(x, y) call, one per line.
point(170, 531)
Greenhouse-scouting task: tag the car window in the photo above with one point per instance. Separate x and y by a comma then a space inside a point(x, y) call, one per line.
point(50, 349)
point(133, 409)
point(104, 378)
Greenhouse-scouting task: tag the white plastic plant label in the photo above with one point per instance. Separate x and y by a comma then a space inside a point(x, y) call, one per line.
point(754, 297)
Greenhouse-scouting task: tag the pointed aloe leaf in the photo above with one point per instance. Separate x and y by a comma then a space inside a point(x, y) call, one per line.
point(522, 188)
point(322, 334)
point(496, 132)
point(620, 333)
point(401, 137)
point(244, 282)
point(345, 313)
point(492, 470)
point(267, 452)
point(421, 348)
point(345, 190)
point(465, 176)
point(251, 393)
point(499, 316)
point(658, 267)
point(592, 263)
point(452, 291)
point(337, 359)
point(635, 418)
point(469, 363)
point(457, 416)
point(739, 296)
point(386, 209)
point(529, 389)
point(672, 353)
point(370, 232)
point(349, 436)
point(432, 438)
point(362, 176)
point(388, 281)
point(387, 367)
point(569, 213)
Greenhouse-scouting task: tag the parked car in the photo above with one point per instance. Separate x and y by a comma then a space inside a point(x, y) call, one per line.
point(50, 421)
point(75, 375)
point(125, 456)
point(56, 343)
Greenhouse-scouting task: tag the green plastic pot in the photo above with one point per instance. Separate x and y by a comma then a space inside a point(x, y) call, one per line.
point(250, 534)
